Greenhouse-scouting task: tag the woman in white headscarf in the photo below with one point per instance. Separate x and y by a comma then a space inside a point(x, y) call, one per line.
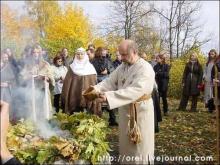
point(80, 76)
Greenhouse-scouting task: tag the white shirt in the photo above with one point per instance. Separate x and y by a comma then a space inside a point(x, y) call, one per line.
point(57, 73)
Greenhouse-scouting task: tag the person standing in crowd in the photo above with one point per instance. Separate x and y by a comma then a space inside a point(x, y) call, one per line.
point(91, 47)
point(43, 53)
point(12, 59)
point(81, 74)
point(103, 69)
point(101, 65)
point(117, 61)
point(208, 91)
point(8, 81)
point(13, 62)
point(129, 89)
point(155, 98)
point(153, 61)
point(24, 56)
point(192, 77)
point(107, 55)
point(215, 76)
point(59, 72)
point(162, 79)
point(37, 73)
point(91, 54)
point(67, 60)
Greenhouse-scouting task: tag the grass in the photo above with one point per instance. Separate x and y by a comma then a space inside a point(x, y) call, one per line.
point(184, 134)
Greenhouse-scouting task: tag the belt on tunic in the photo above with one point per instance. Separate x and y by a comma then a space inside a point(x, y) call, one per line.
point(133, 129)
point(5, 85)
point(143, 98)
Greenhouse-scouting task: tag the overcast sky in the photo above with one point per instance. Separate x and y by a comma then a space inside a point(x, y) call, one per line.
point(98, 10)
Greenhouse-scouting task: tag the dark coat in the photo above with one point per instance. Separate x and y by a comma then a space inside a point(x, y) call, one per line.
point(116, 63)
point(67, 61)
point(162, 76)
point(192, 77)
point(157, 110)
point(100, 64)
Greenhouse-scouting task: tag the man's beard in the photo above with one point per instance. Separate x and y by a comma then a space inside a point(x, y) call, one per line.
point(36, 60)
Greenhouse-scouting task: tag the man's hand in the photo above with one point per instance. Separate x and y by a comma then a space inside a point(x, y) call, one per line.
point(104, 72)
point(215, 80)
point(47, 79)
point(42, 77)
point(102, 98)
point(90, 94)
point(4, 84)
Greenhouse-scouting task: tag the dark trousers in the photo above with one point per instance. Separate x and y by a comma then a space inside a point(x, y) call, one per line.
point(56, 102)
point(164, 99)
point(184, 102)
point(210, 105)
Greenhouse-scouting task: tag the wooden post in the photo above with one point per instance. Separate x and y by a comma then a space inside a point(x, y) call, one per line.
point(217, 115)
point(218, 134)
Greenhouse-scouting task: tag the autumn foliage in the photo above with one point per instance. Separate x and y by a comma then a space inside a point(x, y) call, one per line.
point(70, 29)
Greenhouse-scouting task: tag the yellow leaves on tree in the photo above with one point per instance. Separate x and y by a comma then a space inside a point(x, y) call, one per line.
point(99, 42)
point(9, 23)
point(16, 30)
point(70, 29)
point(113, 41)
point(41, 12)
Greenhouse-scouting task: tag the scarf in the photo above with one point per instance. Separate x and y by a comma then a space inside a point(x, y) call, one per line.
point(82, 67)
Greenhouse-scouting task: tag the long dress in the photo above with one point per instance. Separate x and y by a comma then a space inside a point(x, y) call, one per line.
point(73, 86)
point(41, 96)
point(124, 86)
point(208, 93)
point(192, 77)
point(7, 76)
point(80, 76)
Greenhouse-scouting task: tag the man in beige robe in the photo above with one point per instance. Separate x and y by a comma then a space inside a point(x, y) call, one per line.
point(127, 84)
point(38, 73)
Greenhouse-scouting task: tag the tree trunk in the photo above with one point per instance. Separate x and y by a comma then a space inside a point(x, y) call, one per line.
point(178, 30)
point(170, 40)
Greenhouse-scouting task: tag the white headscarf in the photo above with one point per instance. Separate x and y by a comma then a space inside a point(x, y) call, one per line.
point(82, 67)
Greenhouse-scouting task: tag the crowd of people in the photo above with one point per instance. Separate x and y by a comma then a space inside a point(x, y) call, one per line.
point(123, 85)
point(65, 75)
point(89, 67)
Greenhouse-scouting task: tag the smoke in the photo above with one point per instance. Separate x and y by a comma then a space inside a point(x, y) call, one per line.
point(24, 98)
point(46, 130)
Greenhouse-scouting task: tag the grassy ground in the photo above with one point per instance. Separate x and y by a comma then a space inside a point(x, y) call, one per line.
point(182, 133)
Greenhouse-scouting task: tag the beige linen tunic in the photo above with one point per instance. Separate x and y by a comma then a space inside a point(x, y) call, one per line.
point(44, 69)
point(124, 86)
